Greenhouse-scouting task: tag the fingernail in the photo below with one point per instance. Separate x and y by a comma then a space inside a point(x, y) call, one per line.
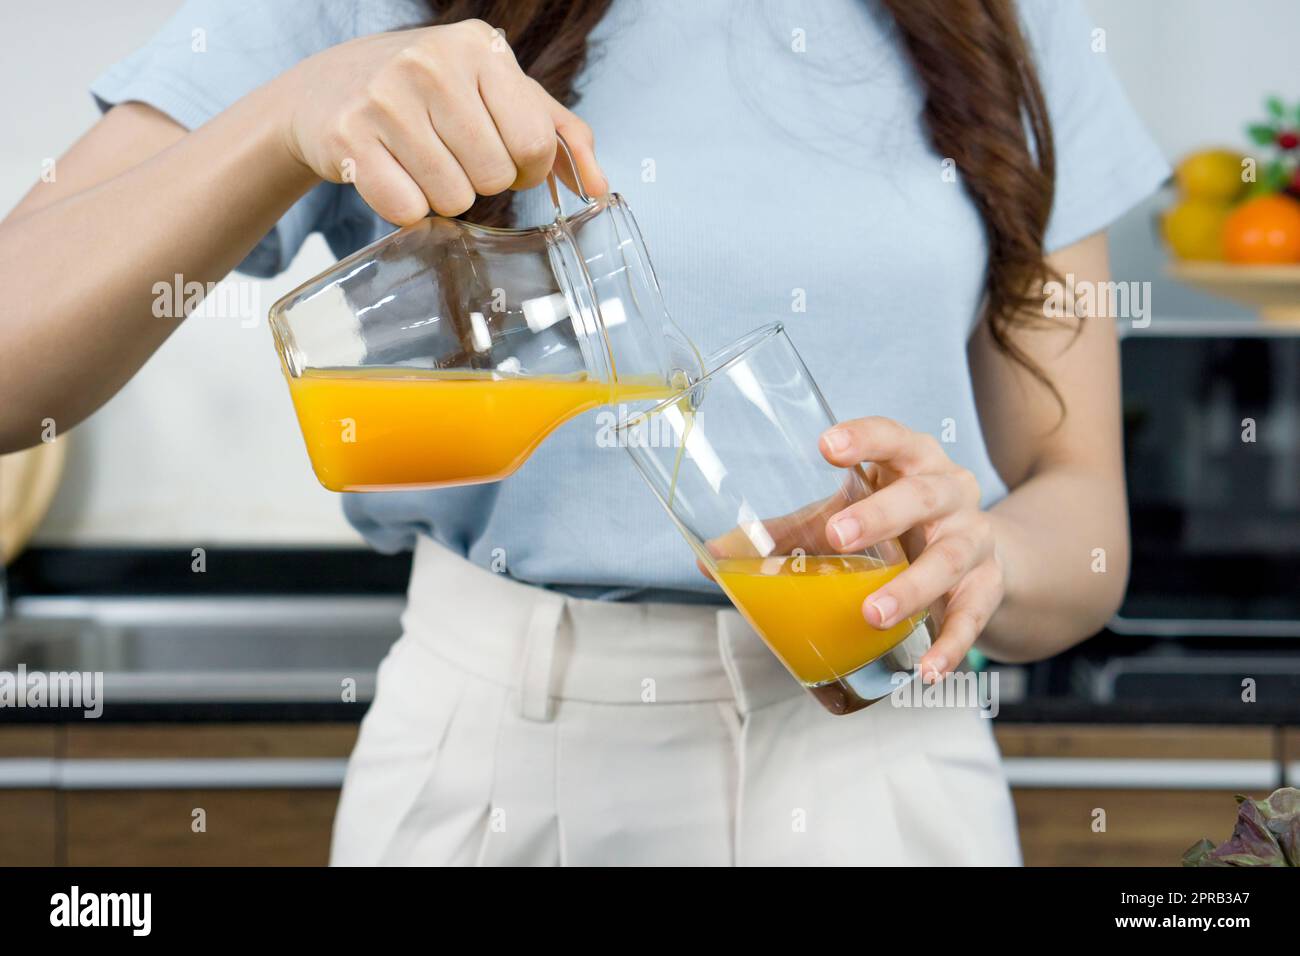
point(937, 667)
point(846, 531)
point(837, 440)
point(884, 607)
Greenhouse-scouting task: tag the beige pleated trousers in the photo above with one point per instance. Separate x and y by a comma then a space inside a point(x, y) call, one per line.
point(515, 726)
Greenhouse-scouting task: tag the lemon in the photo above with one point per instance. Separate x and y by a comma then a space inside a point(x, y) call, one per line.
point(1194, 228)
point(1212, 174)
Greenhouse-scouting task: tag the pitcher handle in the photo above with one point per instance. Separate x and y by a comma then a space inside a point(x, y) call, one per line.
point(554, 186)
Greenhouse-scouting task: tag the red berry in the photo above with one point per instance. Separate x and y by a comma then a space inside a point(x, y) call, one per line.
point(1288, 140)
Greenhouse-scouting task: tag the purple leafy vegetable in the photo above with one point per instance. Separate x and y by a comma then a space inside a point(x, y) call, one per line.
point(1267, 834)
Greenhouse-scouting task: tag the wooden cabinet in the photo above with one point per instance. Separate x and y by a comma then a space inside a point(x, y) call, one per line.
point(29, 831)
point(208, 741)
point(1091, 795)
point(170, 795)
point(160, 827)
point(1291, 755)
point(265, 794)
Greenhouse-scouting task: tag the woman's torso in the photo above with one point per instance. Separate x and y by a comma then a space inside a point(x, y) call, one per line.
point(773, 157)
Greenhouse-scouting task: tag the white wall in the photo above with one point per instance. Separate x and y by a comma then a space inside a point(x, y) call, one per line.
point(201, 447)
point(1197, 71)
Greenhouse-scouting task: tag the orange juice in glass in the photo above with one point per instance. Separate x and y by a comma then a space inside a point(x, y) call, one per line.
point(809, 609)
point(737, 465)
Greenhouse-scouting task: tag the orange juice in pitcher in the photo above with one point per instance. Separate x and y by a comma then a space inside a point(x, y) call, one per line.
point(444, 353)
point(375, 429)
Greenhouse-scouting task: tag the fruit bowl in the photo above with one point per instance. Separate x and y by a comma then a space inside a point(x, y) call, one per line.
point(1274, 289)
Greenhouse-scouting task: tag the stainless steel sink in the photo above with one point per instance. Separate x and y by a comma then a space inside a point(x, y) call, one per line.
point(212, 649)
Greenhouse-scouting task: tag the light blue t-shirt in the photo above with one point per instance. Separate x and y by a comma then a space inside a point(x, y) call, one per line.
point(773, 156)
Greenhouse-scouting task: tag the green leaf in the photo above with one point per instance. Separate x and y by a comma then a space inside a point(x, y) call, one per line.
point(1261, 134)
point(1275, 177)
point(1275, 107)
point(1271, 177)
point(1198, 853)
point(1282, 816)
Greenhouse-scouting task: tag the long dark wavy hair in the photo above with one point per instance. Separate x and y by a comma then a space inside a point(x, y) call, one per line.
point(984, 108)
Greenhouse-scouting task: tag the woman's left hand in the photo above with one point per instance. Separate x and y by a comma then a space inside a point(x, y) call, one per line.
point(932, 504)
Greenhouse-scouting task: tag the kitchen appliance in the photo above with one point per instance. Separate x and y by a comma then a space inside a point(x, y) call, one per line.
point(1212, 450)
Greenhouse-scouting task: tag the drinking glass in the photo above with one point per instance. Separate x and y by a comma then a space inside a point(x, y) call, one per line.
point(735, 462)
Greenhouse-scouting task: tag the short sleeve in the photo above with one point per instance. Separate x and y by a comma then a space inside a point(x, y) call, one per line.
point(1106, 161)
point(211, 53)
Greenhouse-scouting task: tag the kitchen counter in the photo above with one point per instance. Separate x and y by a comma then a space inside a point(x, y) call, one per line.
point(296, 635)
point(227, 635)
point(1072, 706)
point(1115, 678)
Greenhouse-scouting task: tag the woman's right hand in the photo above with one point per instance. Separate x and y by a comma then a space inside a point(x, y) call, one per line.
point(428, 118)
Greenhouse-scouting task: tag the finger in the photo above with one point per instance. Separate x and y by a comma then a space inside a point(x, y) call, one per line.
point(386, 187)
point(523, 122)
point(582, 145)
point(969, 611)
point(910, 501)
point(935, 572)
point(424, 157)
point(882, 440)
point(464, 124)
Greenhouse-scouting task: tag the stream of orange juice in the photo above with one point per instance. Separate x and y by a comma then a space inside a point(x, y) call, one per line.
point(383, 429)
point(809, 610)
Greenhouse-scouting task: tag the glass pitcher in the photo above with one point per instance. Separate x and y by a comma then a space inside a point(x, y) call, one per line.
point(444, 353)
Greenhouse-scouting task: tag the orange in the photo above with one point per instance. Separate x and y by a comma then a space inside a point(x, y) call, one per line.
point(1194, 229)
point(1262, 231)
